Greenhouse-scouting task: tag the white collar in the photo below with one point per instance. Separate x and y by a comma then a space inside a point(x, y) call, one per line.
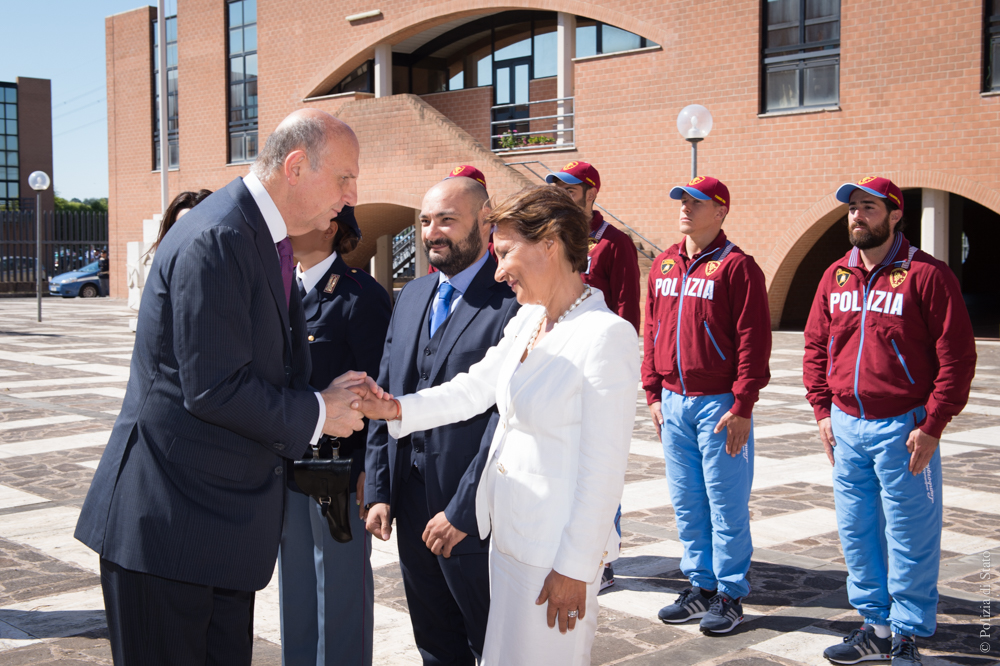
point(313, 275)
point(275, 223)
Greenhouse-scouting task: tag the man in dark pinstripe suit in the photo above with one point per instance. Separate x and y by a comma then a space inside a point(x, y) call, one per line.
point(185, 508)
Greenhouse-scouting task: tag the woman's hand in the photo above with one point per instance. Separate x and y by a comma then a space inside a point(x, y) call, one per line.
point(565, 595)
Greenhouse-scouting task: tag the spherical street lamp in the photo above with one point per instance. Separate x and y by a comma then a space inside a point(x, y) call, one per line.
point(694, 122)
point(39, 181)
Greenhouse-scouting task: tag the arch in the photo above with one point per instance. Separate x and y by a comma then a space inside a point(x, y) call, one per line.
point(813, 223)
point(383, 215)
point(419, 20)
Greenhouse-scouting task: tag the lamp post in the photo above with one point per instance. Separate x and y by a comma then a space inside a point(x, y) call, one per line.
point(39, 182)
point(694, 122)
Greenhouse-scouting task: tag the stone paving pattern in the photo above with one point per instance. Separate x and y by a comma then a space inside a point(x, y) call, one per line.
point(64, 380)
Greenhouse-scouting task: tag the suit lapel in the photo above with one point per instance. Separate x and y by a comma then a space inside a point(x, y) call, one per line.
point(409, 311)
point(554, 343)
point(265, 248)
point(473, 300)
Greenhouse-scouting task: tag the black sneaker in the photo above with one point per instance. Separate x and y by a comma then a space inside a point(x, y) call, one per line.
point(723, 615)
point(690, 605)
point(860, 645)
point(904, 651)
point(607, 578)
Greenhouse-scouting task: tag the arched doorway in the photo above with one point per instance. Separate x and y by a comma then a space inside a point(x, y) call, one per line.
point(388, 248)
point(973, 230)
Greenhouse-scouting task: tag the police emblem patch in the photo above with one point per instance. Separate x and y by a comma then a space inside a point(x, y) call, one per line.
point(866, 180)
point(331, 284)
point(842, 276)
point(711, 267)
point(666, 265)
point(457, 170)
point(591, 243)
point(897, 276)
point(696, 180)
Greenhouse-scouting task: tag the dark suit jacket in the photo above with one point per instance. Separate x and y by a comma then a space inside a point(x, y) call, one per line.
point(191, 485)
point(454, 454)
point(346, 328)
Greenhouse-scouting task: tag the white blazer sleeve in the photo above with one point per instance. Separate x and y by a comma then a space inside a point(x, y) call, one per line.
point(466, 395)
point(610, 378)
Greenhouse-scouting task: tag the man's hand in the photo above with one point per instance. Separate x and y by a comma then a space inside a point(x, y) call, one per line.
point(737, 432)
point(378, 521)
point(826, 436)
point(564, 595)
point(657, 414)
point(373, 403)
point(361, 496)
point(441, 536)
point(343, 415)
point(921, 447)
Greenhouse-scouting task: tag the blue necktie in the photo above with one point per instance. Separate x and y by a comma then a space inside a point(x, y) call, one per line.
point(442, 304)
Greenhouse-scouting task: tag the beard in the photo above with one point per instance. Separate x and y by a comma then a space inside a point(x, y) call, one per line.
point(869, 236)
point(459, 257)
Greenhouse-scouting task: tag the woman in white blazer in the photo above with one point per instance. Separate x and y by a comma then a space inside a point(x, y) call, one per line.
point(564, 380)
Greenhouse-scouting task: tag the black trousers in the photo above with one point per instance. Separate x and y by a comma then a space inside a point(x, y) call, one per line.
point(156, 621)
point(448, 598)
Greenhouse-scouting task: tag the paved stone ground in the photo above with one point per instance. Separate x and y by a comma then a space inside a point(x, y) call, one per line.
point(61, 386)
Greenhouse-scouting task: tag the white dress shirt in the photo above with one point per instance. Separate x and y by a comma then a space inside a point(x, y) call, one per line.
point(311, 276)
point(279, 230)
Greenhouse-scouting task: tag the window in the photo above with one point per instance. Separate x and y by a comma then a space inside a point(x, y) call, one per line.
point(9, 165)
point(170, 11)
point(360, 80)
point(596, 38)
point(801, 54)
point(991, 50)
point(242, 17)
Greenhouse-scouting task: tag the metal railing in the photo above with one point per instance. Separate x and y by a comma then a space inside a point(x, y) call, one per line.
point(70, 240)
point(629, 230)
point(404, 253)
point(514, 128)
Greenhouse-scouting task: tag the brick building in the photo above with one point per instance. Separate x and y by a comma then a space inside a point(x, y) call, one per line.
point(25, 141)
point(805, 94)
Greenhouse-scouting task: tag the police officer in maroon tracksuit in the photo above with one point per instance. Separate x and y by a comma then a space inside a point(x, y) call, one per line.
point(706, 348)
point(613, 261)
point(889, 361)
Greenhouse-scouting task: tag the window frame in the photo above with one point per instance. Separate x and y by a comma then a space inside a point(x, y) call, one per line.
point(8, 202)
point(173, 135)
point(243, 129)
point(991, 41)
point(799, 57)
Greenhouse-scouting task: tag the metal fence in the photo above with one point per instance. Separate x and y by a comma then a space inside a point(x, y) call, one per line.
point(538, 125)
point(70, 241)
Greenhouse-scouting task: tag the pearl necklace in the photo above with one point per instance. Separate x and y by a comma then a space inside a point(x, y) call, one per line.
point(586, 293)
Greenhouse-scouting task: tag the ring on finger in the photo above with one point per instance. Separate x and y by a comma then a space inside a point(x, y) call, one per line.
point(572, 613)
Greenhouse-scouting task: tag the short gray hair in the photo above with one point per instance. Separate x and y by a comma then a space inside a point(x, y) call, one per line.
point(300, 133)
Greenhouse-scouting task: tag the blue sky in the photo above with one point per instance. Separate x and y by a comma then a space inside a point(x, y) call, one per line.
point(63, 40)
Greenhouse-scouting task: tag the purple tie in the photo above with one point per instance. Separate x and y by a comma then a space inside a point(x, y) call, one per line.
point(287, 260)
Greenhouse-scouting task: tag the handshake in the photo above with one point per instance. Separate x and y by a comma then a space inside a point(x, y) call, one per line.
point(351, 397)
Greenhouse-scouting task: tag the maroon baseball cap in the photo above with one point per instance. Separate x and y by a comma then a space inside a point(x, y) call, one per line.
point(876, 185)
point(704, 188)
point(467, 171)
point(575, 173)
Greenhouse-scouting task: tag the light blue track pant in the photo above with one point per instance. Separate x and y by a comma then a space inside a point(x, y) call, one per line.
point(889, 521)
point(710, 491)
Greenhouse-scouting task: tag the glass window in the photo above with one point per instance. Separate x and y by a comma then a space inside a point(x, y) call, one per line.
point(991, 52)
point(801, 55)
point(586, 38)
point(545, 56)
point(10, 96)
point(173, 118)
point(242, 16)
point(484, 76)
point(615, 39)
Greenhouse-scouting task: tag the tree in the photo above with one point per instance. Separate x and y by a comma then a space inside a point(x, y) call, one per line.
point(87, 205)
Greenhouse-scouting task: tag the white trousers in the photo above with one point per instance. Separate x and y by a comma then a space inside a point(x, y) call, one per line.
point(518, 632)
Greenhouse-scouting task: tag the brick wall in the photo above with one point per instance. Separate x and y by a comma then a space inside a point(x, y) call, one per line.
point(469, 109)
point(34, 129)
point(910, 108)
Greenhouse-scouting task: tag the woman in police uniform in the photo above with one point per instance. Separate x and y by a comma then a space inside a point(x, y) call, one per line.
point(326, 587)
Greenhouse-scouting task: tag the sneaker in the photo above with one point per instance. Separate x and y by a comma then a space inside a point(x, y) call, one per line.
point(904, 651)
point(860, 645)
point(690, 605)
point(723, 615)
point(607, 577)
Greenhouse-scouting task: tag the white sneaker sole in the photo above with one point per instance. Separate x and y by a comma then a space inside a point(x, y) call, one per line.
point(869, 657)
point(735, 624)
point(693, 616)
